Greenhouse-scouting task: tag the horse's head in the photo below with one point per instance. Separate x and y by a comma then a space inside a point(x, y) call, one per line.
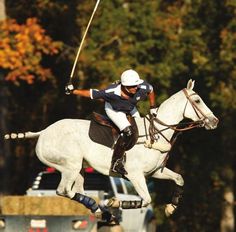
point(196, 110)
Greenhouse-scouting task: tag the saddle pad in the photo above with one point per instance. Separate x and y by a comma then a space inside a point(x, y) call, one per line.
point(101, 134)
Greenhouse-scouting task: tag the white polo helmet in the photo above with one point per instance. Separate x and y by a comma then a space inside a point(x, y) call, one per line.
point(130, 78)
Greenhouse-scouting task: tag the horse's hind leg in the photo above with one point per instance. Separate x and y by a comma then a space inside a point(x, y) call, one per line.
point(64, 184)
point(68, 178)
point(79, 184)
point(71, 187)
point(100, 211)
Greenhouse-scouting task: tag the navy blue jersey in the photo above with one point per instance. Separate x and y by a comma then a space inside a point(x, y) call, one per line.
point(112, 94)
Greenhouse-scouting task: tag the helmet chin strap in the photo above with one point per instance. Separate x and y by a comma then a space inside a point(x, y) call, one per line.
point(126, 91)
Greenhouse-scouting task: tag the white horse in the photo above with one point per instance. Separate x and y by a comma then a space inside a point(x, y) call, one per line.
point(65, 144)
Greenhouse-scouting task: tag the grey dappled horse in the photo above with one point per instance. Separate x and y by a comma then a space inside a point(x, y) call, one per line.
point(65, 144)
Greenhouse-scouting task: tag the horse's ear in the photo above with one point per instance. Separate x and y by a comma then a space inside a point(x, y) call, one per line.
point(190, 84)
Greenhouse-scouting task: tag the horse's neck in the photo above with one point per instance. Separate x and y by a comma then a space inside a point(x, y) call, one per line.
point(170, 112)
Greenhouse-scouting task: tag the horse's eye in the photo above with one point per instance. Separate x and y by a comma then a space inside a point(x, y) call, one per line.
point(197, 101)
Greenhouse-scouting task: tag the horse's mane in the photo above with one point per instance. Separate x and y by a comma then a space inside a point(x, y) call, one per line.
point(169, 100)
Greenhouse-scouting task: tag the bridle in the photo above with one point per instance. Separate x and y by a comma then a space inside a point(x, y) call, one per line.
point(197, 110)
point(182, 126)
point(154, 132)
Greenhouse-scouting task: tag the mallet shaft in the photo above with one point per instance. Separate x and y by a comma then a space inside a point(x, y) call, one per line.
point(82, 41)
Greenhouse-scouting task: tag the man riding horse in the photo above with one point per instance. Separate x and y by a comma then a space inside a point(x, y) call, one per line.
point(120, 101)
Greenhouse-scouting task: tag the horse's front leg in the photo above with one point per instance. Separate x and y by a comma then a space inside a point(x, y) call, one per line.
point(139, 182)
point(167, 174)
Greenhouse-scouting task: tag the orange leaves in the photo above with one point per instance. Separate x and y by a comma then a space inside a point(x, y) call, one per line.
point(22, 48)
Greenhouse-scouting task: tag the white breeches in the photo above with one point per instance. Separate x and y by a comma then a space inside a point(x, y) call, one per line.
point(119, 118)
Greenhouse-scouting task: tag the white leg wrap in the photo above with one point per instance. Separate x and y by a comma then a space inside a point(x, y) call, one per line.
point(170, 209)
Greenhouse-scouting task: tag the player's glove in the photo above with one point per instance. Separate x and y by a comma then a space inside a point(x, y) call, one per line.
point(69, 89)
point(153, 110)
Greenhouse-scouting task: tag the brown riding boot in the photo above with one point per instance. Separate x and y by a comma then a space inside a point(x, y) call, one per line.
point(117, 162)
point(124, 143)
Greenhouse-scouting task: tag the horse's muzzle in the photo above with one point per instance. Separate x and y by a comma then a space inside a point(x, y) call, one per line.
point(211, 122)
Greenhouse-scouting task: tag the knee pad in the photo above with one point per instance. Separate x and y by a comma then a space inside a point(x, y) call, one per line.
point(128, 131)
point(128, 134)
point(129, 137)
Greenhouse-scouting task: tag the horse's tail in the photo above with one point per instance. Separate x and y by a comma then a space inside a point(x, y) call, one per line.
point(24, 135)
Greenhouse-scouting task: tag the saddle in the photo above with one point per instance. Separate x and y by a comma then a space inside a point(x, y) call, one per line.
point(103, 131)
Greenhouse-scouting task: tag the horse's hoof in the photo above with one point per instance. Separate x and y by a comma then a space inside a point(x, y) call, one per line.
point(170, 209)
point(98, 214)
point(104, 215)
point(113, 203)
point(62, 194)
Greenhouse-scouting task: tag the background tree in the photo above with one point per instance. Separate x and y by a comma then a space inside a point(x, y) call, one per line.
point(24, 48)
point(167, 42)
point(2, 10)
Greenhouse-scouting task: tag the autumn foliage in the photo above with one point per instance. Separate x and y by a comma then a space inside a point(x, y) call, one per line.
point(22, 48)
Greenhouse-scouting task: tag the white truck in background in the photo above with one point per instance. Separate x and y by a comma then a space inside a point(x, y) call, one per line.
point(102, 187)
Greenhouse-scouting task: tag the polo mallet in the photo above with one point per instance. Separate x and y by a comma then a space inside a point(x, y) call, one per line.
point(82, 41)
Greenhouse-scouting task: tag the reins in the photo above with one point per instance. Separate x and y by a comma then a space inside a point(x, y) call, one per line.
point(154, 132)
point(180, 127)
